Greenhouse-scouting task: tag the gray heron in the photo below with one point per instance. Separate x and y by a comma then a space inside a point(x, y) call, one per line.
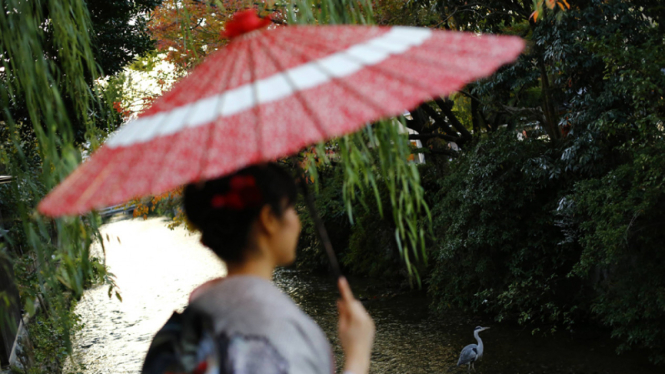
point(472, 352)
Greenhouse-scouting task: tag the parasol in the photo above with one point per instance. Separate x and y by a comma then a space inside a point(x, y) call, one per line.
point(268, 94)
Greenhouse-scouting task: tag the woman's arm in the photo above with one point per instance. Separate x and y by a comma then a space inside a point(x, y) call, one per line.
point(356, 331)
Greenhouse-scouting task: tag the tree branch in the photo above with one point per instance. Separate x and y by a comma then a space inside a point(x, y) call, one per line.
point(471, 96)
point(550, 114)
point(438, 120)
point(537, 111)
point(419, 121)
point(445, 152)
point(453, 119)
point(475, 108)
point(433, 136)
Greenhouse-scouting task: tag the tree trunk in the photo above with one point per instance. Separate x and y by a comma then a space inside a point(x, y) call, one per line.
point(552, 121)
point(474, 117)
point(9, 314)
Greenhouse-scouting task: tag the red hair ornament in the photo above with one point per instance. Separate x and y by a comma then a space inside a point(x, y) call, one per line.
point(243, 194)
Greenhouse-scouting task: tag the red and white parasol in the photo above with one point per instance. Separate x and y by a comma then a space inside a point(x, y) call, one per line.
point(270, 93)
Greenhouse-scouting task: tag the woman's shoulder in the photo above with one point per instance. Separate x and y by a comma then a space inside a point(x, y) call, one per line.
point(249, 304)
point(239, 291)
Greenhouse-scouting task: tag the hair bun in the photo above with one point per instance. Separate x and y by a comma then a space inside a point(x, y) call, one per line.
point(225, 208)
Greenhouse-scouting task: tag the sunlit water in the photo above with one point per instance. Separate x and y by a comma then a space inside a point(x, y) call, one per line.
point(157, 268)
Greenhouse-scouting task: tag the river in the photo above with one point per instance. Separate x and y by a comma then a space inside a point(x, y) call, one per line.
point(156, 269)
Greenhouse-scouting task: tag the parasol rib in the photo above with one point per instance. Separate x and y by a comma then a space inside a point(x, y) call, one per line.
point(218, 109)
point(255, 97)
point(450, 45)
point(166, 173)
point(298, 94)
point(341, 83)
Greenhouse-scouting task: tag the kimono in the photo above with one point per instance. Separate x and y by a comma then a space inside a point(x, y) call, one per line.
point(240, 325)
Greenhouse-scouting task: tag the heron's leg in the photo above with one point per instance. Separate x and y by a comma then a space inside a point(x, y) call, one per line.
point(468, 367)
point(473, 366)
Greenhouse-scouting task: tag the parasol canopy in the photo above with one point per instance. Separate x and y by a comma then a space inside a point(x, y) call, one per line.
point(268, 94)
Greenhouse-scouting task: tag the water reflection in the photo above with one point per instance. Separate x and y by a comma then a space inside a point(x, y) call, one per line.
point(157, 268)
point(409, 340)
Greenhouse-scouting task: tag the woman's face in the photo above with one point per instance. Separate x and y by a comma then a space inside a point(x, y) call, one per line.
point(286, 238)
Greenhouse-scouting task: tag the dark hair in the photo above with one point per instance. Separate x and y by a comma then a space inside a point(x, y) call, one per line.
point(223, 209)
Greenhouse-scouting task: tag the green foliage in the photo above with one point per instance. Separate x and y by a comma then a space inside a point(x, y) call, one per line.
point(498, 249)
point(119, 37)
point(52, 113)
point(522, 242)
point(366, 247)
point(372, 249)
point(49, 338)
point(565, 226)
point(330, 204)
point(50, 327)
point(621, 231)
point(330, 12)
point(557, 232)
point(121, 33)
point(387, 165)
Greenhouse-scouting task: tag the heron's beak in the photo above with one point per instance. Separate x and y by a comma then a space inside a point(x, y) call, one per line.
point(485, 328)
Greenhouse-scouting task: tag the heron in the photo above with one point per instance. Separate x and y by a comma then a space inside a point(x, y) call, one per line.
point(472, 352)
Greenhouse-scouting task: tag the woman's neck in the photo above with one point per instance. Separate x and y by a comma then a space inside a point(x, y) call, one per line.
point(256, 267)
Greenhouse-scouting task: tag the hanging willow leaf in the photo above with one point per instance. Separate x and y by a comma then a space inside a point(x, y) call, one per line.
point(379, 154)
point(46, 56)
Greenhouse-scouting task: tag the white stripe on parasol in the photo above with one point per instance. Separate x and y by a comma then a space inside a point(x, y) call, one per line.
point(278, 86)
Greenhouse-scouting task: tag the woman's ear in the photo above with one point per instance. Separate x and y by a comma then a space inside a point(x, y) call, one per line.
point(268, 220)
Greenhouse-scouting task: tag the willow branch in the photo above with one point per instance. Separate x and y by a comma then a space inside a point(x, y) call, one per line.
point(433, 136)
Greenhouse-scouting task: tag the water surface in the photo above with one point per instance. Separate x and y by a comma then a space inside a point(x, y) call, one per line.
point(157, 268)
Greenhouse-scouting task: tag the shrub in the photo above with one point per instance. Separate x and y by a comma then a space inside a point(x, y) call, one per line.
point(329, 203)
point(621, 229)
point(366, 248)
point(372, 247)
point(499, 250)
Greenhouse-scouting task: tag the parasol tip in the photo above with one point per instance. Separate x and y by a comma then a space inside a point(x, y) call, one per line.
point(244, 22)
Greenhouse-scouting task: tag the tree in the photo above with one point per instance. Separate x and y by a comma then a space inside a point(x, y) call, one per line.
point(187, 31)
point(119, 36)
point(587, 197)
point(531, 95)
point(54, 107)
point(120, 32)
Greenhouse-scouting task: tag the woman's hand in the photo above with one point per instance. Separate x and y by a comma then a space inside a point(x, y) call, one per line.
point(356, 330)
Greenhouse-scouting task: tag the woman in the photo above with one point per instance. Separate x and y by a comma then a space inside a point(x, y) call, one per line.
point(243, 323)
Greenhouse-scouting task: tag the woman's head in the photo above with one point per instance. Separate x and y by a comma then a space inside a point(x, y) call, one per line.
point(239, 213)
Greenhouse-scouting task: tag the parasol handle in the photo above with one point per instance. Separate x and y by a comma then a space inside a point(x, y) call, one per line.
point(318, 223)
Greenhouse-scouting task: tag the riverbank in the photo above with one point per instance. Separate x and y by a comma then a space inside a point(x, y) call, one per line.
point(43, 332)
point(156, 268)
